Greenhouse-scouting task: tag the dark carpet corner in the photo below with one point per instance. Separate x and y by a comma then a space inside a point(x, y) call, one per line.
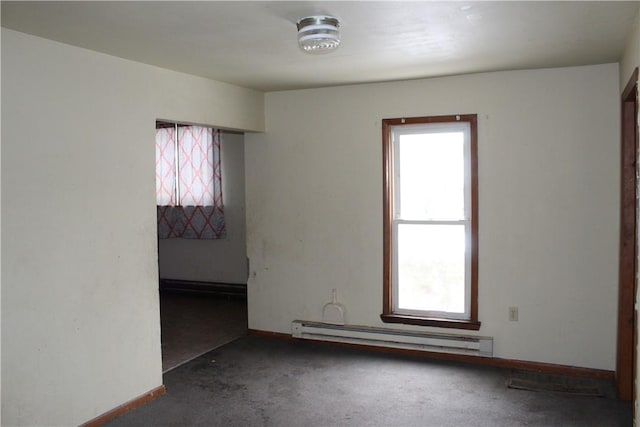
point(260, 381)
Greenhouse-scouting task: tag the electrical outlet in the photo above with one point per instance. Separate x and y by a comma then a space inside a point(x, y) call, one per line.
point(513, 314)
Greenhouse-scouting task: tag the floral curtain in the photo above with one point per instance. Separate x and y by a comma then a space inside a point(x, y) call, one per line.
point(165, 166)
point(188, 171)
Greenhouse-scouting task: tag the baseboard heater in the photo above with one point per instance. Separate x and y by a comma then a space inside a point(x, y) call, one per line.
point(394, 338)
point(231, 290)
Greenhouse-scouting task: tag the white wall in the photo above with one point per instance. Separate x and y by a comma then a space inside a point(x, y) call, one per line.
point(80, 315)
point(548, 205)
point(223, 260)
point(631, 57)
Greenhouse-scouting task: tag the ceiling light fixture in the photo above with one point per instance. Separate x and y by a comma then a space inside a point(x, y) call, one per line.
point(318, 34)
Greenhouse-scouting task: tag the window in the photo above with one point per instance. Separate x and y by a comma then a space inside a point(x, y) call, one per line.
point(431, 221)
point(189, 182)
point(186, 165)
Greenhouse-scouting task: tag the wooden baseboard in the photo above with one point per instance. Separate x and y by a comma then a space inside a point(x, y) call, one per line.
point(125, 407)
point(548, 368)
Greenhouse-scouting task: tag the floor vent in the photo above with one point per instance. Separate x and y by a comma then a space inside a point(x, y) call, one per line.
point(394, 338)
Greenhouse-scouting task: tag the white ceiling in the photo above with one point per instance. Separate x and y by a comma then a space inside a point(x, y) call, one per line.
point(253, 44)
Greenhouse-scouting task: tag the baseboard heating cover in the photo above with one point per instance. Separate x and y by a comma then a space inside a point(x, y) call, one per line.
point(394, 338)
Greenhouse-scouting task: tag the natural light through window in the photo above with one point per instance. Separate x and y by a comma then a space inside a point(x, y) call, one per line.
point(430, 265)
point(431, 268)
point(431, 176)
point(430, 180)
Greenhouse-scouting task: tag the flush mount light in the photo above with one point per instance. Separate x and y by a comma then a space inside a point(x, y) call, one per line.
point(318, 34)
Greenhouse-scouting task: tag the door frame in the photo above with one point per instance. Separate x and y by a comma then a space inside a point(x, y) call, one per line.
point(627, 283)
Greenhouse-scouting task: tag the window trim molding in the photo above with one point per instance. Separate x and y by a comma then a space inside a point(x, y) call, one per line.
point(388, 316)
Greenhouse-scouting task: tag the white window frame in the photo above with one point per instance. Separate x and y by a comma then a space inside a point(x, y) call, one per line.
point(422, 129)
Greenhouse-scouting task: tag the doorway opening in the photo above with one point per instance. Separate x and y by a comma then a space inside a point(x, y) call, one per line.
point(203, 279)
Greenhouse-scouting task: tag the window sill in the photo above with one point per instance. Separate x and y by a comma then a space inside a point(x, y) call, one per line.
point(473, 325)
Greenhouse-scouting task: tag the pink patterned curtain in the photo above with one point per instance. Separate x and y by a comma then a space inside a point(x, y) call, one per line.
point(193, 179)
point(195, 155)
point(165, 166)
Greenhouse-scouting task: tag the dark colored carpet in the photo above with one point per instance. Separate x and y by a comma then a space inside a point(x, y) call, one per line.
point(193, 324)
point(257, 381)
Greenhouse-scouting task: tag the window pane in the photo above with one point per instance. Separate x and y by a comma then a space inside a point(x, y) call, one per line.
point(431, 176)
point(431, 267)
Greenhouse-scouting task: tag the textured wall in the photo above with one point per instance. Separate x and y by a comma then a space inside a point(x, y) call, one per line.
point(631, 57)
point(548, 205)
point(80, 314)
